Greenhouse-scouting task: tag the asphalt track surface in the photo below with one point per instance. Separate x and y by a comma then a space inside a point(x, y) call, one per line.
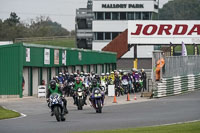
point(167, 110)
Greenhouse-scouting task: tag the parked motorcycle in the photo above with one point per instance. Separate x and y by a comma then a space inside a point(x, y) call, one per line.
point(97, 99)
point(57, 106)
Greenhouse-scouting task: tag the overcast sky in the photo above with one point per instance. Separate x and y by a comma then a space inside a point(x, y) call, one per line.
point(61, 11)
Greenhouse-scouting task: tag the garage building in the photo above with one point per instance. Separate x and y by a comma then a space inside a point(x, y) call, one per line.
point(35, 63)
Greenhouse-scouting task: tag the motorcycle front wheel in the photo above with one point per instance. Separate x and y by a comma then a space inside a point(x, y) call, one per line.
point(99, 108)
point(57, 113)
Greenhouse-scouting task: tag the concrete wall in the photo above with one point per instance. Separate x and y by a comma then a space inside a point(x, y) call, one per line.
point(25, 74)
point(99, 69)
point(85, 68)
point(127, 63)
point(53, 72)
point(44, 75)
point(35, 81)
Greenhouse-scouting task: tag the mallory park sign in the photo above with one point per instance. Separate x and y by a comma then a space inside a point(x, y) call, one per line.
point(164, 32)
point(122, 5)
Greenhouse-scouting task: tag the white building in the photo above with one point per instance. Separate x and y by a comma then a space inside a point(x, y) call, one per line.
point(110, 18)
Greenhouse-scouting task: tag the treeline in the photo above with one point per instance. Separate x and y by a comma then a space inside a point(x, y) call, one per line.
point(13, 28)
point(180, 10)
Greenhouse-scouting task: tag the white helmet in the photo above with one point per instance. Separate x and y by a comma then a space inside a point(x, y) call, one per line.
point(103, 74)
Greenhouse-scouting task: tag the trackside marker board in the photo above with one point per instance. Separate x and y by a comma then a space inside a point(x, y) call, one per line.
point(111, 90)
point(164, 32)
point(41, 91)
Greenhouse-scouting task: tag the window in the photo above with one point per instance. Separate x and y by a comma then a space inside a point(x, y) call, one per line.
point(131, 16)
point(122, 15)
point(115, 16)
point(146, 16)
point(100, 15)
point(107, 36)
point(114, 34)
point(99, 35)
point(138, 16)
point(107, 15)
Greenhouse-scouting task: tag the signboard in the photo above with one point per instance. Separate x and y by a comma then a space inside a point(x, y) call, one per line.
point(28, 59)
point(126, 6)
point(164, 32)
point(41, 91)
point(64, 57)
point(111, 90)
point(79, 56)
point(56, 57)
point(47, 56)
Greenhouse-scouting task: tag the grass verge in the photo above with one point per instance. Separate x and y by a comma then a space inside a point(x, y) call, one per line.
point(6, 114)
point(193, 127)
point(59, 42)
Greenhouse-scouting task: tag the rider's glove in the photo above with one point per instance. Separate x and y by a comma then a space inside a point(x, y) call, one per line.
point(47, 100)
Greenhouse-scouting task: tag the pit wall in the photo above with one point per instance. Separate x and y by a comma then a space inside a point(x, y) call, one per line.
point(176, 85)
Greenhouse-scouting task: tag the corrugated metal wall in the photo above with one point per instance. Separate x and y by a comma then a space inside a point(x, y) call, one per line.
point(11, 70)
point(73, 57)
point(181, 66)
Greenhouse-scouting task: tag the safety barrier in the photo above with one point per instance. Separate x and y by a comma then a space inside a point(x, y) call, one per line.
point(176, 85)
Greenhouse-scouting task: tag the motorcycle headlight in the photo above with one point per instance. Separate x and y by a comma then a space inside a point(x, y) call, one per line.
point(96, 91)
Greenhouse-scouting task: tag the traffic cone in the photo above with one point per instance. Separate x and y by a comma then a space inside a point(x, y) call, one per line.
point(128, 97)
point(135, 98)
point(115, 99)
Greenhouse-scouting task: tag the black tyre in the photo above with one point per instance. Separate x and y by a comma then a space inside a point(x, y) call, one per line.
point(99, 106)
point(62, 118)
point(57, 113)
point(80, 104)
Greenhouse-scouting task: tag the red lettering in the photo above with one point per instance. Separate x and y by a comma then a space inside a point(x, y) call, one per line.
point(177, 28)
point(153, 31)
point(139, 28)
point(164, 28)
point(195, 28)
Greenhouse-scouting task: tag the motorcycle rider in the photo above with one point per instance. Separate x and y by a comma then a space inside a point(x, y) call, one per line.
point(79, 84)
point(54, 88)
point(117, 82)
point(112, 77)
point(94, 85)
point(143, 77)
point(60, 78)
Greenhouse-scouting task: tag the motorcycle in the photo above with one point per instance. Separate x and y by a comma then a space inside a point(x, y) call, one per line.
point(138, 85)
point(70, 88)
point(97, 100)
point(57, 106)
point(79, 97)
point(119, 91)
point(125, 86)
point(103, 86)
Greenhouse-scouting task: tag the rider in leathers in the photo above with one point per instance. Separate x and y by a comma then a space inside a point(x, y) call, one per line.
point(54, 88)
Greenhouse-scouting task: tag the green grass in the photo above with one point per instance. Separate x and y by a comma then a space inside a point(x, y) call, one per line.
point(190, 49)
point(193, 127)
point(6, 114)
point(58, 42)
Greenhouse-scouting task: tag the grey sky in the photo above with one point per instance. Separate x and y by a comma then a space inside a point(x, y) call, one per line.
point(61, 11)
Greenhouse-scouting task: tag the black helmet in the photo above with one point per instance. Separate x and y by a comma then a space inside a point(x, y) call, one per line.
point(94, 82)
point(53, 84)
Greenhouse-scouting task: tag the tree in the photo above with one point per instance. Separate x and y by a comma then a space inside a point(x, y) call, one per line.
point(181, 10)
point(44, 26)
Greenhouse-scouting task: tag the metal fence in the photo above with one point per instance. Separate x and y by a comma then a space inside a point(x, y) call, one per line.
point(181, 66)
